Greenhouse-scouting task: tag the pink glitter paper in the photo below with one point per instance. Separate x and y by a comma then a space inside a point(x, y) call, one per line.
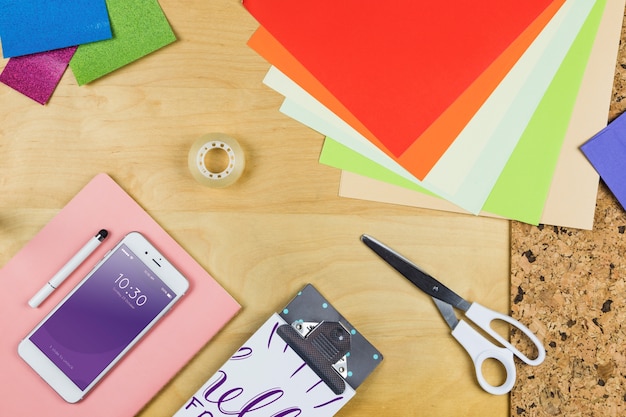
point(37, 75)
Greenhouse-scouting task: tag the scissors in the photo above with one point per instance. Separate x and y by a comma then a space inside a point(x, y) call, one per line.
point(478, 346)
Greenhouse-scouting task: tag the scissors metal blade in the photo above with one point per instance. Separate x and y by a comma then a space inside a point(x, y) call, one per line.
point(419, 278)
point(447, 311)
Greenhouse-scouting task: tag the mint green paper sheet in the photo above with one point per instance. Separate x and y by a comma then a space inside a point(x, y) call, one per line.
point(522, 188)
point(139, 28)
point(494, 130)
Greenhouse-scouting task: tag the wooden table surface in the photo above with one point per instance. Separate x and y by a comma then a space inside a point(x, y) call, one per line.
point(279, 227)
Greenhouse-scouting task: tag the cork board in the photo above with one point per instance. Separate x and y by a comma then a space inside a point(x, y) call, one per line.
point(573, 284)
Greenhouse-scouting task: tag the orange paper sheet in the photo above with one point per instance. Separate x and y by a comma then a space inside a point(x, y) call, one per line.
point(426, 147)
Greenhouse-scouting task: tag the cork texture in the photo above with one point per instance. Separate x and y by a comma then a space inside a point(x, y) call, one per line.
point(569, 285)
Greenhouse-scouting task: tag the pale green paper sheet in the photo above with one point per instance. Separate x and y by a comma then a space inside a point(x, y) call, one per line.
point(572, 196)
point(139, 28)
point(495, 129)
point(521, 190)
point(471, 187)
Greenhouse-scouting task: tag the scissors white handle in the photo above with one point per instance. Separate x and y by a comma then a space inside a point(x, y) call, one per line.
point(480, 349)
point(482, 317)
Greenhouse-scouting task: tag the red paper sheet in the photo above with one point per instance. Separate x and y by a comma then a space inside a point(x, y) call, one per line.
point(392, 72)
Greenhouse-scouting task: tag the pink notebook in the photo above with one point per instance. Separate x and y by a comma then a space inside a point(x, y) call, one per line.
point(204, 310)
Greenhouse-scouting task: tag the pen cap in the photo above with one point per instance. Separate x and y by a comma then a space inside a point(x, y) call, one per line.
point(41, 295)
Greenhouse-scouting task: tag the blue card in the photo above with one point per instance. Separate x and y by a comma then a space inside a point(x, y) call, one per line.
point(30, 26)
point(607, 152)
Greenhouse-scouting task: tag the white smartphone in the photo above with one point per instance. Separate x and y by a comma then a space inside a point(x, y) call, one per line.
point(101, 319)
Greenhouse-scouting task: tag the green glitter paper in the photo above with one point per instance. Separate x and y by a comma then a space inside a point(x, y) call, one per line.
point(139, 27)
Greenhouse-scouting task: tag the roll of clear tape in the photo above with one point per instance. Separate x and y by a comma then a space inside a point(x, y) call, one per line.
point(208, 148)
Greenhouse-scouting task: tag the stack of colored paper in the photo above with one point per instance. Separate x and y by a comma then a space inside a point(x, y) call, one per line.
point(95, 37)
point(461, 106)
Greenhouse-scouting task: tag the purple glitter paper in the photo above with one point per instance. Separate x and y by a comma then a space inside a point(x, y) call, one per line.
point(37, 75)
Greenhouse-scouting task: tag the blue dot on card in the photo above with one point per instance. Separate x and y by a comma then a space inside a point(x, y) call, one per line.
point(325, 305)
point(347, 354)
point(352, 331)
point(349, 373)
point(375, 356)
point(286, 311)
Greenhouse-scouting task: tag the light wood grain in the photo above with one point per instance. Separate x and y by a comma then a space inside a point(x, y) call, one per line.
point(279, 227)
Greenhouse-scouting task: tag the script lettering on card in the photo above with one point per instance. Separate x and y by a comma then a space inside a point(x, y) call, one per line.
point(265, 377)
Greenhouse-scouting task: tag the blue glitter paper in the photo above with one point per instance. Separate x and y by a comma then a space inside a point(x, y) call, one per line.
point(31, 26)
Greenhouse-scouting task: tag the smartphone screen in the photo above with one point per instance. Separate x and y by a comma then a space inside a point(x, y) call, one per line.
point(102, 317)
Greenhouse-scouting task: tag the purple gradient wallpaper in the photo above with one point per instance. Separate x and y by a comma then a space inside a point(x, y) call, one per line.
point(102, 317)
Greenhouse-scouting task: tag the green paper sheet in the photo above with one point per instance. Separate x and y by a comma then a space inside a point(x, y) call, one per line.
point(522, 188)
point(139, 28)
point(338, 155)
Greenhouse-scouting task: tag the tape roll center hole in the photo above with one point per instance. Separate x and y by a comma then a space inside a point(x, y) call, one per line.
point(216, 160)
